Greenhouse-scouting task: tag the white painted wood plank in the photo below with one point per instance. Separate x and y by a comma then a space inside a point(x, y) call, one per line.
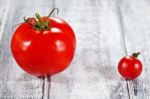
point(136, 25)
point(14, 82)
point(93, 73)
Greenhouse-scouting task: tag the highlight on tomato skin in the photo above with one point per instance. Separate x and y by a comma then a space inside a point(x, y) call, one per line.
point(130, 67)
point(45, 46)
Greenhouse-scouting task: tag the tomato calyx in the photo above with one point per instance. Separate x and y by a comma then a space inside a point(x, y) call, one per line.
point(40, 24)
point(135, 55)
point(32, 21)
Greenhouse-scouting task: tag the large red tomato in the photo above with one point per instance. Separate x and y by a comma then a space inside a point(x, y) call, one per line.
point(43, 45)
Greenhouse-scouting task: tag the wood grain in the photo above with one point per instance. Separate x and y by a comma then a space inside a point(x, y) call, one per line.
point(136, 26)
point(93, 73)
point(4, 5)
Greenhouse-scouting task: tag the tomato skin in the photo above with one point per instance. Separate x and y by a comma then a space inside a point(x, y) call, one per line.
point(46, 52)
point(130, 67)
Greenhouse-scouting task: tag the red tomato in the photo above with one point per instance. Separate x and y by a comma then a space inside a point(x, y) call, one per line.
point(130, 67)
point(43, 46)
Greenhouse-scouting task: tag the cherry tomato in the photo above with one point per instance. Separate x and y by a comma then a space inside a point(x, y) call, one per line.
point(130, 67)
point(43, 45)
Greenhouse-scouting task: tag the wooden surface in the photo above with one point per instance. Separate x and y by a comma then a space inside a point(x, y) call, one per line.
point(106, 30)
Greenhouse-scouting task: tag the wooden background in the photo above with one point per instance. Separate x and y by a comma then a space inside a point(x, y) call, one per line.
point(106, 30)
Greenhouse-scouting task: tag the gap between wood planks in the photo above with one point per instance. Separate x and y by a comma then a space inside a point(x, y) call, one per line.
point(46, 87)
point(47, 80)
point(129, 83)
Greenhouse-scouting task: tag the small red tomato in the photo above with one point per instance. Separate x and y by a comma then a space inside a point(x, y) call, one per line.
point(130, 67)
point(43, 45)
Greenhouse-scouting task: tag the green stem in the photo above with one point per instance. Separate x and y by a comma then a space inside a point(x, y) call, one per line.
point(41, 25)
point(39, 18)
point(136, 54)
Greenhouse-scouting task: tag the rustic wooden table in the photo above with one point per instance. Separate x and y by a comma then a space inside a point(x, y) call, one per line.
point(105, 30)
